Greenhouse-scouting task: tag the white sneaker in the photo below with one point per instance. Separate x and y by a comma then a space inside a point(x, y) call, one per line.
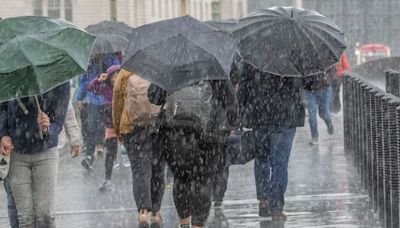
point(115, 164)
point(125, 161)
point(314, 141)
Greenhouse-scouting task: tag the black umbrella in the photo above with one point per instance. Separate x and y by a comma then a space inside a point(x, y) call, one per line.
point(110, 27)
point(289, 41)
point(179, 52)
point(226, 25)
point(111, 36)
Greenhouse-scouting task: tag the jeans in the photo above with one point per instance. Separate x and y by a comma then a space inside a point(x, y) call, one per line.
point(148, 169)
point(318, 101)
point(273, 147)
point(32, 179)
point(12, 209)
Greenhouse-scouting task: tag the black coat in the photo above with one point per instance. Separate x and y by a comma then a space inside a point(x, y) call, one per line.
point(269, 100)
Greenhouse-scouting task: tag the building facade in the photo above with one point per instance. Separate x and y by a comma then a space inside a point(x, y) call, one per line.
point(133, 12)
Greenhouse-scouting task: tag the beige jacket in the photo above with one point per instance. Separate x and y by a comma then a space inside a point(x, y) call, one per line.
point(71, 130)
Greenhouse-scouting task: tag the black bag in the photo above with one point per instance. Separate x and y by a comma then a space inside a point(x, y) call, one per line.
point(241, 147)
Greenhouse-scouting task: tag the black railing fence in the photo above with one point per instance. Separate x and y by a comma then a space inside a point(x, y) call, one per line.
point(372, 139)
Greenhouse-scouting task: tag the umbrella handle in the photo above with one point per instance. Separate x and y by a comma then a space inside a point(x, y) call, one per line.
point(39, 111)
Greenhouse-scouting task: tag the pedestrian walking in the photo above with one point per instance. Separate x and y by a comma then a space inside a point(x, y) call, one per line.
point(341, 67)
point(317, 94)
point(91, 106)
point(104, 86)
point(274, 109)
point(34, 160)
point(195, 125)
point(134, 119)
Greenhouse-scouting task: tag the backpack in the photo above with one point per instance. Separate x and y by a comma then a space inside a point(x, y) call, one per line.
point(140, 111)
point(190, 107)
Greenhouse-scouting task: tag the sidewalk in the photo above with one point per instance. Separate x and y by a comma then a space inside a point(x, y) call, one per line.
point(323, 191)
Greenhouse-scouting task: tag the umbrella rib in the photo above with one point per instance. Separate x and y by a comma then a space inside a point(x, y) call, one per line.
point(330, 48)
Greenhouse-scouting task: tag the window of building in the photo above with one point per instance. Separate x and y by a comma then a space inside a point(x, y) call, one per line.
point(68, 10)
point(216, 11)
point(54, 8)
point(153, 8)
point(201, 5)
point(38, 7)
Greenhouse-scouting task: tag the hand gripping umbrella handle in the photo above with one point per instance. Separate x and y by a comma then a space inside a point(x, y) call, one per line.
point(39, 111)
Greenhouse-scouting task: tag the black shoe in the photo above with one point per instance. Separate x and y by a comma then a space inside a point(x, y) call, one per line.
point(185, 226)
point(87, 163)
point(279, 216)
point(331, 129)
point(218, 205)
point(264, 209)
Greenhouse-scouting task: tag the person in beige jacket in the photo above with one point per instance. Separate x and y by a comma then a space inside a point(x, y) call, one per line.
point(134, 119)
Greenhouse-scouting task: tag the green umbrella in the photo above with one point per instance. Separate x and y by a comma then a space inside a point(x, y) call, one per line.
point(38, 54)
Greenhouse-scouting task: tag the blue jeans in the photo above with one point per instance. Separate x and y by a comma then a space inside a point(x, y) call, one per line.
point(318, 101)
point(273, 147)
point(12, 209)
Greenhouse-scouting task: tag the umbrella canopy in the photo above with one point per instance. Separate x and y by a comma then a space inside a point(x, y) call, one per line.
point(289, 41)
point(111, 36)
point(110, 27)
point(107, 43)
point(226, 25)
point(179, 52)
point(38, 54)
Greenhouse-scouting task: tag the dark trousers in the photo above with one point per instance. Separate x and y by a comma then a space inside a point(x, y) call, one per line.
point(221, 174)
point(148, 169)
point(335, 105)
point(12, 209)
point(93, 126)
point(112, 150)
point(193, 164)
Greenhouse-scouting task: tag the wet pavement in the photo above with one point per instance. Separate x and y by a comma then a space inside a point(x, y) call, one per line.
point(323, 191)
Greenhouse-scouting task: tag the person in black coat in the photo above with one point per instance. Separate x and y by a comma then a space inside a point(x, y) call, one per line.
point(272, 106)
point(194, 157)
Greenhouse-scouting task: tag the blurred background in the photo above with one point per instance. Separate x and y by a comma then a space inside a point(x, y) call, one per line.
point(375, 23)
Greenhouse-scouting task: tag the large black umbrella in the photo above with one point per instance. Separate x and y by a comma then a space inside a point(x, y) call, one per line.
point(111, 36)
point(179, 52)
point(289, 41)
point(225, 25)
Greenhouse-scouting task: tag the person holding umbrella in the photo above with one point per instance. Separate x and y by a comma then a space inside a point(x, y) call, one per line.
point(104, 86)
point(188, 63)
point(36, 70)
point(281, 47)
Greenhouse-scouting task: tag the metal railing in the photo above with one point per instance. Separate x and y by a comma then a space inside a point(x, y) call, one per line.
point(372, 140)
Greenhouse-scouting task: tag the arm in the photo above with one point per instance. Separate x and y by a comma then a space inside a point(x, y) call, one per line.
point(4, 128)
point(229, 102)
point(58, 110)
point(82, 88)
point(118, 102)
point(345, 62)
point(71, 127)
point(97, 87)
point(156, 95)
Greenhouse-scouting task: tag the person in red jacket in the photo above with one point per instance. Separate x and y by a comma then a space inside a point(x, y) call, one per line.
point(342, 67)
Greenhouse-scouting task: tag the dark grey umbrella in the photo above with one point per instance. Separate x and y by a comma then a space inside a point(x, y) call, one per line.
point(179, 52)
point(226, 25)
point(110, 27)
point(111, 36)
point(107, 43)
point(289, 41)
